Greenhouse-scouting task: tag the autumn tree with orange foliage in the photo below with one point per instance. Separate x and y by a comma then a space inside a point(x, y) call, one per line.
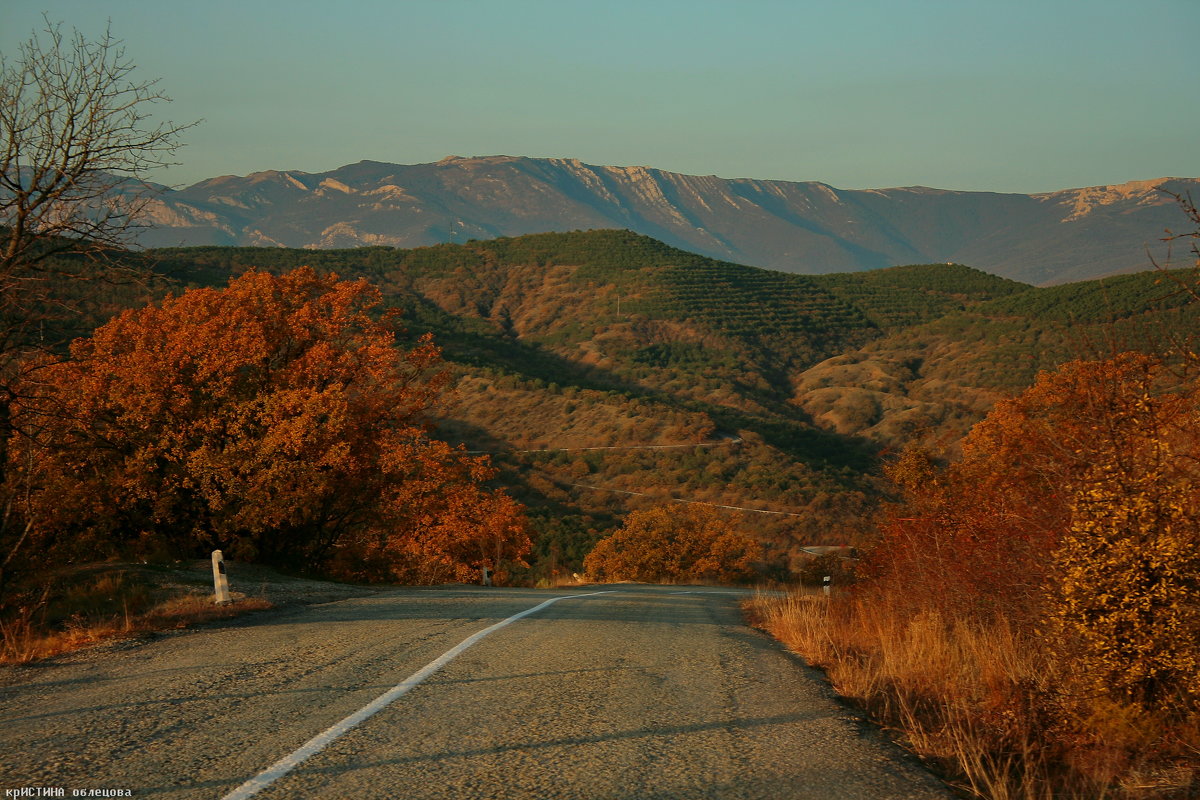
point(1075, 502)
point(276, 419)
point(673, 543)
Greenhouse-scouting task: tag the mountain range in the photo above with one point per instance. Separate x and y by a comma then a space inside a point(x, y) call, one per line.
point(799, 227)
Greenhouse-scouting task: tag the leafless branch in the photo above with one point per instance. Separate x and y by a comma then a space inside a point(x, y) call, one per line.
point(78, 140)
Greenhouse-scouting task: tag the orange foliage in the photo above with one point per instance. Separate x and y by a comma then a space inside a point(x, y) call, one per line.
point(673, 543)
point(978, 536)
point(275, 419)
point(1034, 609)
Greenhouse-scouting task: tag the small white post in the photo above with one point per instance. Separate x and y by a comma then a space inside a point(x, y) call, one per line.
point(487, 577)
point(220, 580)
point(828, 580)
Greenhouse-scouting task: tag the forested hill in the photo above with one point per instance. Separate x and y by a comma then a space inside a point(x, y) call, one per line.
point(654, 303)
point(783, 388)
point(618, 310)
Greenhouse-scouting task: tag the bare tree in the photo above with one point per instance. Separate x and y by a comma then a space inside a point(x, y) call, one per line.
point(1181, 342)
point(79, 141)
point(1188, 206)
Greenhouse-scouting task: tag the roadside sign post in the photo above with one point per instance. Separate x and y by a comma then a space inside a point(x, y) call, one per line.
point(487, 577)
point(828, 580)
point(220, 580)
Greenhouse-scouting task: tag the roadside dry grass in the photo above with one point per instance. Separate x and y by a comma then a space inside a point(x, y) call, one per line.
point(23, 640)
point(97, 602)
point(996, 709)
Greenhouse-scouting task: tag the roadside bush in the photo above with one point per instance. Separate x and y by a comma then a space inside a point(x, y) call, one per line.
point(1031, 613)
point(673, 543)
point(1129, 588)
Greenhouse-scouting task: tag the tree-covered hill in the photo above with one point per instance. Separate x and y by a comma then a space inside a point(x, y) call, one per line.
point(939, 376)
point(764, 390)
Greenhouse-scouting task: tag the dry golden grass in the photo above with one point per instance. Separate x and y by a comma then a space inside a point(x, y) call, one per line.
point(23, 640)
point(996, 709)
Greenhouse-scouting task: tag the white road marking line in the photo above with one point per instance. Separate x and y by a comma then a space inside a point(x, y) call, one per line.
point(696, 591)
point(318, 743)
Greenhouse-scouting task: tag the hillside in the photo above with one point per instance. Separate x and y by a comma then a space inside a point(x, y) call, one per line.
point(584, 361)
point(795, 227)
point(611, 310)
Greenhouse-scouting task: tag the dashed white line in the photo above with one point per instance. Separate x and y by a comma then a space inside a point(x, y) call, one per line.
point(319, 742)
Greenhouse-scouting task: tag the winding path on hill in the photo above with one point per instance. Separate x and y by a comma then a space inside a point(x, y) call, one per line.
point(685, 502)
point(626, 691)
point(726, 440)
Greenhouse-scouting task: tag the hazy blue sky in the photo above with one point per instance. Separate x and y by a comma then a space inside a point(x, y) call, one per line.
point(1003, 95)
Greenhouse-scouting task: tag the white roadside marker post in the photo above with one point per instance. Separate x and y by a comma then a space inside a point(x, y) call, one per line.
point(826, 582)
point(487, 577)
point(220, 581)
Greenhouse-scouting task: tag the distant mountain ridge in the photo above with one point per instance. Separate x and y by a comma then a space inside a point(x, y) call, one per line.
point(807, 227)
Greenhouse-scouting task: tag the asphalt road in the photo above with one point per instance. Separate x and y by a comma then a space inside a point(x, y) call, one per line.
point(644, 692)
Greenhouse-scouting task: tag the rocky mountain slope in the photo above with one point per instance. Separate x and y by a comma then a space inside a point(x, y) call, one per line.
point(793, 227)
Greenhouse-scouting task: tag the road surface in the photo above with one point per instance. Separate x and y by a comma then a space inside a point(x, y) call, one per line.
point(622, 692)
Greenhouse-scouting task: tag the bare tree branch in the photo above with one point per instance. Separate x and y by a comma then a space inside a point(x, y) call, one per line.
point(78, 139)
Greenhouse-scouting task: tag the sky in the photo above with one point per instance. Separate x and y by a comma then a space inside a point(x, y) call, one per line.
point(988, 95)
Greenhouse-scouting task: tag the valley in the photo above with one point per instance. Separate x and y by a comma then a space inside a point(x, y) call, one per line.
point(563, 343)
